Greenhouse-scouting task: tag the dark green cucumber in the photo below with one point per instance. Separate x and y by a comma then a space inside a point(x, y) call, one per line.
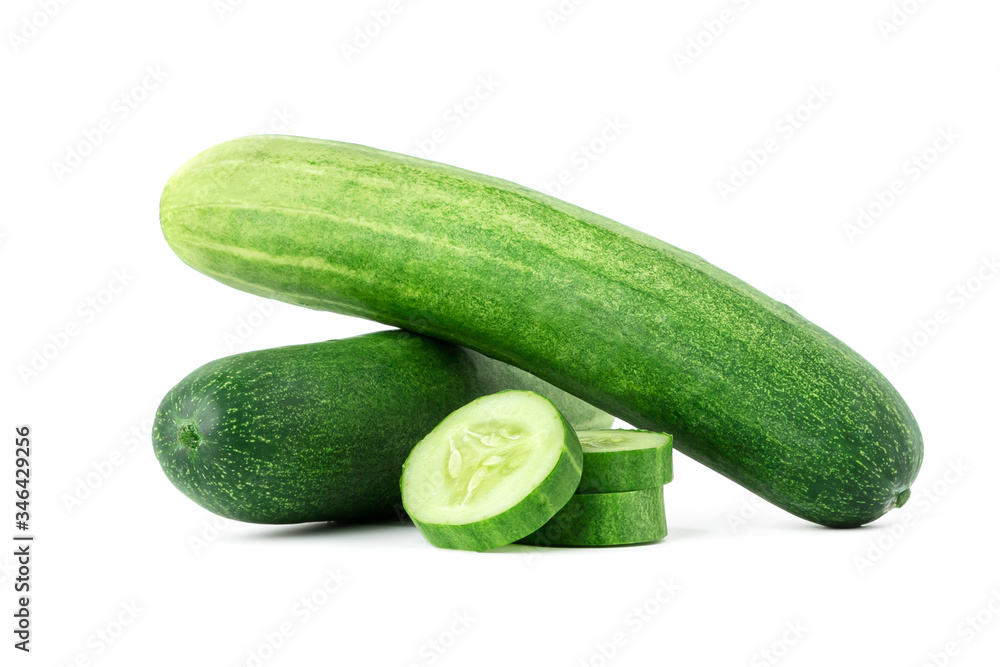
point(650, 333)
point(319, 432)
point(491, 472)
point(605, 520)
point(616, 460)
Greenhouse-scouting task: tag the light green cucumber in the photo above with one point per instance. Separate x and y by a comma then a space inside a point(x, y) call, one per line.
point(616, 460)
point(604, 520)
point(491, 472)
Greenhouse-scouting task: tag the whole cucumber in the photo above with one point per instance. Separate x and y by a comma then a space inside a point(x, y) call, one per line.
point(319, 432)
point(644, 330)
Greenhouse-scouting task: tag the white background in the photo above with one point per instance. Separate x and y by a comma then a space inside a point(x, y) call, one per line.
point(892, 593)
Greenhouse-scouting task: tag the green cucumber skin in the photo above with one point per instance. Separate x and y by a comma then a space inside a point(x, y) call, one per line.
point(605, 520)
point(318, 432)
point(650, 333)
point(527, 516)
point(628, 470)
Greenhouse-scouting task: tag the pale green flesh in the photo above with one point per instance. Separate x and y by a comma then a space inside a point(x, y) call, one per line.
point(483, 459)
point(620, 440)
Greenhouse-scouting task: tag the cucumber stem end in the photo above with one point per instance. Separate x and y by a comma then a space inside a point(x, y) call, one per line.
point(189, 435)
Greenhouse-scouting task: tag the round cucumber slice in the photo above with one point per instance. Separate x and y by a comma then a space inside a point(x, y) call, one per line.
point(617, 460)
point(492, 472)
point(604, 520)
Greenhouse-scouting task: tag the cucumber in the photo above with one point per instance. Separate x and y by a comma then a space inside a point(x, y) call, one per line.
point(616, 460)
point(491, 472)
point(652, 334)
point(319, 432)
point(605, 519)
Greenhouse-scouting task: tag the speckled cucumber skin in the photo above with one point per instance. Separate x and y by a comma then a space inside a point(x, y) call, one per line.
point(540, 505)
point(605, 520)
point(319, 432)
point(626, 470)
point(644, 330)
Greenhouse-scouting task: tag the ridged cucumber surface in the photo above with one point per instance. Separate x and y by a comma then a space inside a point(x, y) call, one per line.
point(616, 460)
point(650, 333)
point(491, 472)
point(605, 520)
point(319, 432)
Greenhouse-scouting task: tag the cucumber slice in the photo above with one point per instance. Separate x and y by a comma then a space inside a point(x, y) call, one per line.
point(605, 519)
point(492, 472)
point(617, 460)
